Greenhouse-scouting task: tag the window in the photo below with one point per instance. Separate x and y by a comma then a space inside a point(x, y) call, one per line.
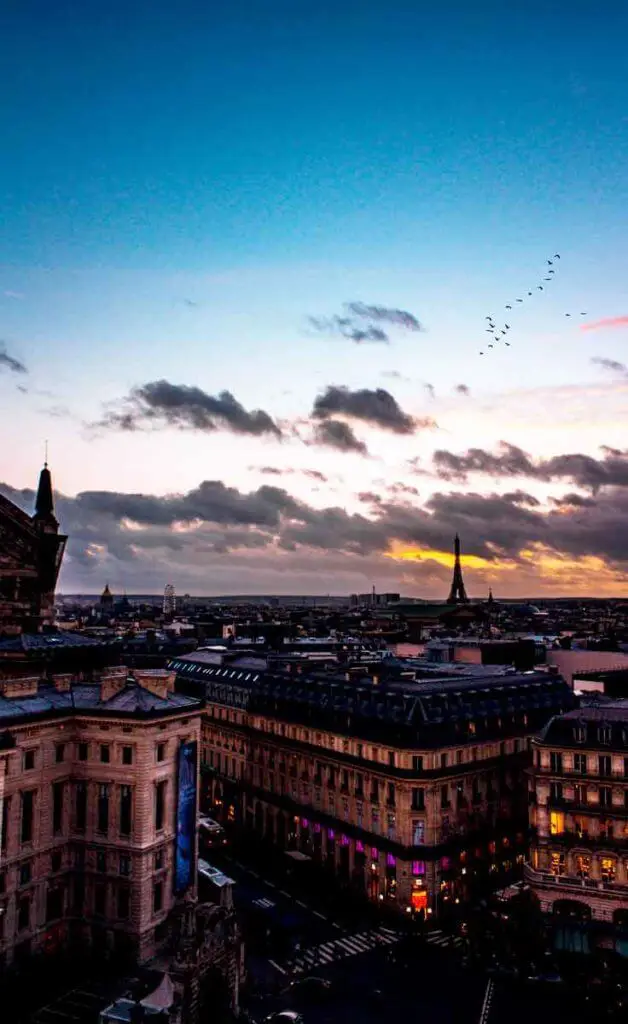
point(604, 764)
point(78, 901)
point(418, 832)
point(375, 821)
point(159, 860)
point(100, 899)
point(101, 861)
point(58, 789)
point(124, 903)
point(608, 869)
point(125, 810)
point(125, 864)
point(55, 861)
point(81, 806)
point(444, 796)
point(557, 823)
point(345, 781)
point(417, 762)
point(390, 826)
point(160, 805)
point(331, 777)
point(28, 806)
point(23, 913)
point(626, 767)
point(103, 809)
point(580, 794)
point(6, 806)
point(25, 873)
point(390, 794)
point(556, 791)
point(418, 798)
point(458, 757)
point(391, 758)
point(606, 796)
point(104, 753)
point(604, 734)
point(556, 762)
point(59, 752)
point(161, 751)
point(375, 791)
point(82, 751)
point(360, 750)
point(29, 760)
point(54, 903)
point(583, 865)
point(443, 760)
point(557, 863)
point(127, 755)
point(359, 785)
point(158, 897)
point(580, 763)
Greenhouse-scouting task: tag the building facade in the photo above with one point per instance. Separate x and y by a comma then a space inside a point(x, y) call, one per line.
point(31, 551)
point(89, 854)
point(413, 793)
point(578, 864)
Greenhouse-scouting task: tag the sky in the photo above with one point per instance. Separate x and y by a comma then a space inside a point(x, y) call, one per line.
point(248, 253)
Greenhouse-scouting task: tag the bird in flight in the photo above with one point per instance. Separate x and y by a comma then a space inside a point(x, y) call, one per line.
point(519, 300)
point(556, 256)
point(567, 314)
point(540, 288)
point(508, 307)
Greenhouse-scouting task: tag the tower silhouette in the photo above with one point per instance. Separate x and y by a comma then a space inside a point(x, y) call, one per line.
point(457, 594)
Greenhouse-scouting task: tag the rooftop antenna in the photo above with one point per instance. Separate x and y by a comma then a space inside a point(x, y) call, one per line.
point(45, 453)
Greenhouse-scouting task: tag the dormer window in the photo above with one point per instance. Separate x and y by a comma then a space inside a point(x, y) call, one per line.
point(580, 733)
point(604, 734)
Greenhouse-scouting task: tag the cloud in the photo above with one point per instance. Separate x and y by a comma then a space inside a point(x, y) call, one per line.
point(431, 390)
point(361, 322)
point(377, 407)
point(10, 362)
point(573, 500)
point(338, 435)
point(162, 404)
point(348, 328)
point(383, 314)
point(18, 296)
point(509, 461)
point(268, 470)
point(611, 364)
point(315, 474)
point(611, 321)
point(394, 375)
point(462, 389)
point(311, 474)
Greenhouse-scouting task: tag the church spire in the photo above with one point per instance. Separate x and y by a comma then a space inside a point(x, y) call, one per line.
point(44, 504)
point(457, 594)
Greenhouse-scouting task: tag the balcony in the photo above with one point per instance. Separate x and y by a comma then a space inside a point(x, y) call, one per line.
point(586, 807)
point(573, 775)
point(570, 883)
point(585, 839)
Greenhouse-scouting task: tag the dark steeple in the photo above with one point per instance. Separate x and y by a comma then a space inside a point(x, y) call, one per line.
point(457, 594)
point(44, 504)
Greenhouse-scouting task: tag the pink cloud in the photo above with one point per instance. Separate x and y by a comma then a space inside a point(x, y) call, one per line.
point(609, 321)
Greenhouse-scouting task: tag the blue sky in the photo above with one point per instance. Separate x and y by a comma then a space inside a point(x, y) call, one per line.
point(186, 183)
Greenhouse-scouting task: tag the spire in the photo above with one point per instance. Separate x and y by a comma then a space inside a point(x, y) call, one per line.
point(457, 594)
point(44, 504)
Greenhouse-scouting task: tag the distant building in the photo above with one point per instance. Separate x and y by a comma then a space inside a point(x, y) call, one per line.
point(31, 551)
point(170, 601)
point(106, 602)
point(457, 593)
point(578, 864)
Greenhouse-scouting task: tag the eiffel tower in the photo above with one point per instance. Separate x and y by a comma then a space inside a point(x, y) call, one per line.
point(457, 594)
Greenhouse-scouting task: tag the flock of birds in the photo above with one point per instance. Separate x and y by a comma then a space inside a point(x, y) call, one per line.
point(500, 334)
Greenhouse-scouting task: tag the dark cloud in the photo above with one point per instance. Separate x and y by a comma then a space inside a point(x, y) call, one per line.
point(315, 474)
point(462, 389)
point(402, 489)
point(369, 498)
point(573, 500)
point(9, 362)
point(311, 474)
point(268, 470)
point(376, 407)
point(431, 390)
point(384, 314)
point(509, 461)
point(160, 403)
point(612, 365)
point(338, 435)
point(348, 328)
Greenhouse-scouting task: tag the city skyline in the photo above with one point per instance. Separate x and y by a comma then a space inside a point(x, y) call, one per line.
point(195, 200)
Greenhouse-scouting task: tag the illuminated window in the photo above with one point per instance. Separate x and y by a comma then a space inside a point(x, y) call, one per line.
point(583, 865)
point(608, 869)
point(557, 823)
point(557, 863)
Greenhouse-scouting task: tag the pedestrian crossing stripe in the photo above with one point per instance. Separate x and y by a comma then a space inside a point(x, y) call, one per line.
point(264, 903)
point(364, 942)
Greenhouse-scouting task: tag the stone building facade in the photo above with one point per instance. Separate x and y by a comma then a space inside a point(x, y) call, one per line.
point(89, 811)
point(578, 865)
point(414, 793)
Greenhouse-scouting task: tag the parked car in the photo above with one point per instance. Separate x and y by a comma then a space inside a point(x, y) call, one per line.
point(284, 1017)
point(308, 990)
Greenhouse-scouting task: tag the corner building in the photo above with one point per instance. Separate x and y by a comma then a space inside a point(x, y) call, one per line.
point(88, 788)
point(578, 864)
point(414, 793)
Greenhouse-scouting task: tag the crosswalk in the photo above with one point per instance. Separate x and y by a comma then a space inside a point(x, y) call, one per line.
point(263, 903)
point(436, 937)
point(341, 948)
point(363, 942)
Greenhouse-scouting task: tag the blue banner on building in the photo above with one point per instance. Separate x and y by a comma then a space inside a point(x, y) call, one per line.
point(186, 818)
